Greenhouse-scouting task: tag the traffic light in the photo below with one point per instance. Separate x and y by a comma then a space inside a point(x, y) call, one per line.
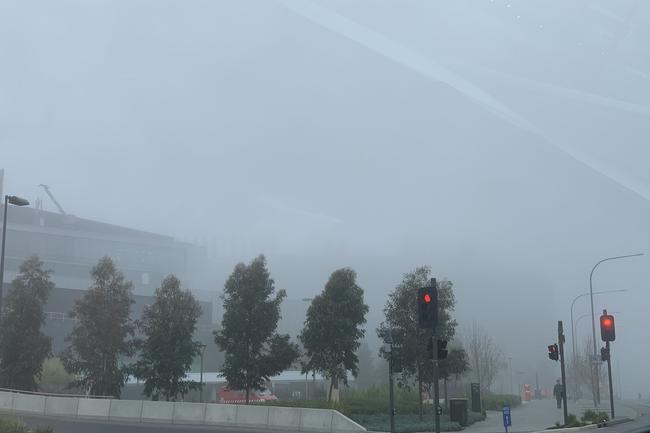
point(604, 354)
point(607, 328)
point(442, 349)
point(428, 306)
point(553, 352)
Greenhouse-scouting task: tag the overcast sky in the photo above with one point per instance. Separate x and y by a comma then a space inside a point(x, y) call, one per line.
point(503, 143)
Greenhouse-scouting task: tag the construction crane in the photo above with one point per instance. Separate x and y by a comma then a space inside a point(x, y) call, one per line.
point(49, 193)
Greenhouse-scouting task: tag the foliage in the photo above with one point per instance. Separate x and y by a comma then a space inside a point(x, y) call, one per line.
point(497, 401)
point(485, 356)
point(103, 332)
point(404, 423)
point(9, 425)
point(332, 332)
point(54, 378)
point(368, 375)
point(572, 421)
point(593, 417)
point(168, 350)
point(409, 340)
point(455, 364)
point(254, 351)
point(23, 346)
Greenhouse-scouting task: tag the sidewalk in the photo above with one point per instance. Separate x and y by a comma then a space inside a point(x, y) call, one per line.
point(533, 416)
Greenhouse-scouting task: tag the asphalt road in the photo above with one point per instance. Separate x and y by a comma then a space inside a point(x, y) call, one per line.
point(85, 426)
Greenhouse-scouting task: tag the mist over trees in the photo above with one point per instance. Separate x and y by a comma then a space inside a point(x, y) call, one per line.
point(23, 345)
point(486, 358)
point(333, 330)
point(254, 351)
point(103, 333)
point(168, 349)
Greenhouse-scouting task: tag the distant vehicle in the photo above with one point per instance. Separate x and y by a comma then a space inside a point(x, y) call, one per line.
point(227, 395)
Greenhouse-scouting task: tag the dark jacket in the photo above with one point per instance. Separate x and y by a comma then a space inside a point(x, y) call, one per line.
point(557, 391)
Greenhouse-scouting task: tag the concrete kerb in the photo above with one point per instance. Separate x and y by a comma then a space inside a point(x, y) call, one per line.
point(6, 401)
point(287, 418)
point(125, 410)
point(94, 408)
point(29, 403)
point(189, 413)
point(317, 420)
point(157, 411)
point(587, 427)
point(253, 416)
point(221, 414)
point(343, 424)
point(61, 406)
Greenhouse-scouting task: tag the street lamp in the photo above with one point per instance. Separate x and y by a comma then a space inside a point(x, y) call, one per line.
point(16, 201)
point(202, 346)
point(388, 349)
point(593, 317)
point(573, 329)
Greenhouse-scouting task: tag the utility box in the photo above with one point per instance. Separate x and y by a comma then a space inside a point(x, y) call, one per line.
point(458, 411)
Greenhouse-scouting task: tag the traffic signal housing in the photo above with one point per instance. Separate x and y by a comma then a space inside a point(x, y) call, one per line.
point(604, 354)
point(607, 327)
point(428, 306)
point(553, 352)
point(442, 349)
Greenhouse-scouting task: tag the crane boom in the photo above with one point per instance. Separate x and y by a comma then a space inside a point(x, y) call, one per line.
point(49, 193)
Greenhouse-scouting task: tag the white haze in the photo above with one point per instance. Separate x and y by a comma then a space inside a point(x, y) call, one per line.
point(503, 143)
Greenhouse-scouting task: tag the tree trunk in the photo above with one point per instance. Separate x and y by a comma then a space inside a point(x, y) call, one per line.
point(248, 390)
point(329, 394)
point(446, 395)
point(420, 391)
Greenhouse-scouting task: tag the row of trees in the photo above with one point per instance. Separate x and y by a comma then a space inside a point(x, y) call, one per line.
point(106, 345)
point(103, 342)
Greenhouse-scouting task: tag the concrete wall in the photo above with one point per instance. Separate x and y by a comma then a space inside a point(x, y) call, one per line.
point(257, 416)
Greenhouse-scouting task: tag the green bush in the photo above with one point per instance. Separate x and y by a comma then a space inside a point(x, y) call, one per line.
point(593, 417)
point(8, 425)
point(572, 421)
point(497, 401)
point(12, 426)
point(404, 423)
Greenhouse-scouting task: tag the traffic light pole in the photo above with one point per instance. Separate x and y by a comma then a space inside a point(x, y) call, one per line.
point(560, 340)
point(390, 392)
point(609, 374)
point(436, 385)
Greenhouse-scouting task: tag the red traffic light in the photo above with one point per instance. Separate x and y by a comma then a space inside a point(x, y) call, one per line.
point(607, 328)
point(553, 352)
point(427, 298)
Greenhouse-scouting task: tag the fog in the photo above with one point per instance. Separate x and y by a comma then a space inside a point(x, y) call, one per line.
point(503, 143)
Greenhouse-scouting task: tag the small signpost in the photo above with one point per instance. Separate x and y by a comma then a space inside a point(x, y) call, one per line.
point(507, 418)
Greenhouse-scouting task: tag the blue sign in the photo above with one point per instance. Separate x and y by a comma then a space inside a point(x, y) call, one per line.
point(507, 419)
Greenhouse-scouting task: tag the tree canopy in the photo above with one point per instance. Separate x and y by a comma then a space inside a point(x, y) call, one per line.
point(103, 333)
point(167, 350)
point(333, 328)
point(254, 350)
point(23, 345)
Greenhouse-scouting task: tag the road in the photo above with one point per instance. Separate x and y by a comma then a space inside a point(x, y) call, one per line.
point(85, 426)
point(533, 416)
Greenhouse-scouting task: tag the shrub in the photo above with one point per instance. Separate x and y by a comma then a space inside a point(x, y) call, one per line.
point(497, 401)
point(592, 417)
point(12, 426)
point(572, 421)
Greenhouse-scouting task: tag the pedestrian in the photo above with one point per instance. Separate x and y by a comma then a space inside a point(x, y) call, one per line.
point(558, 393)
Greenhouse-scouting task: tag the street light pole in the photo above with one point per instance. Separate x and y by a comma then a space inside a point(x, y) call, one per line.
point(16, 201)
point(593, 317)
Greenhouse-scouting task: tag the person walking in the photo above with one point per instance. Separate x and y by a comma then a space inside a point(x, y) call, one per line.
point(558, 393)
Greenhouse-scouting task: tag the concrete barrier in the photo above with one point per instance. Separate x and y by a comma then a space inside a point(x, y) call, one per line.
point(252, 416)
point(343, 424)
point(61, 406)
point(221, 414)
point(285, 418)
point(189, 413)
point(157, 411)
point(125, 410)
point(29, 403)
point(6, 401)
point(318, 420)
point(93, 408)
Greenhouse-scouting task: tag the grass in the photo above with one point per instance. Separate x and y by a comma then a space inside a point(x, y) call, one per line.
point(10, 425)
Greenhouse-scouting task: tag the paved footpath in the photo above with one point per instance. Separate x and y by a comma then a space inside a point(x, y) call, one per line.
point(532, 416)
